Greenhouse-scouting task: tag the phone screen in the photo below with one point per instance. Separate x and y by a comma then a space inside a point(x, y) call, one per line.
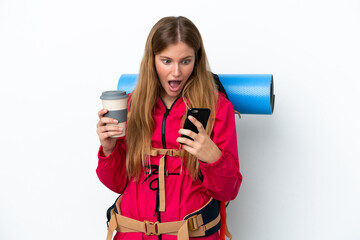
point(201, 114)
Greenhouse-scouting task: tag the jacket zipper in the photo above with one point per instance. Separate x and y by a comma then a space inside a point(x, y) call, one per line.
point(164, 123)
point(164, 145)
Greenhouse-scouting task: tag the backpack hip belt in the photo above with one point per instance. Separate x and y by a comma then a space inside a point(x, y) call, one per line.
point(197, 224)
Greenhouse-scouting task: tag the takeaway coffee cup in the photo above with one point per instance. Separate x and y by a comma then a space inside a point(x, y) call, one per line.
point(116, 103)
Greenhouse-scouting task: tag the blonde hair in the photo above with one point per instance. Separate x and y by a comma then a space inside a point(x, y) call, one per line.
point(140, 126)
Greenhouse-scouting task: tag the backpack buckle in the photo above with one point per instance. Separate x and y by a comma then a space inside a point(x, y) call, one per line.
point(192, 223)
point(151, 228)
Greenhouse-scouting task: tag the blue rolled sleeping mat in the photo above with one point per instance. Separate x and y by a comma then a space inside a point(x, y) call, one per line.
point(249, 93)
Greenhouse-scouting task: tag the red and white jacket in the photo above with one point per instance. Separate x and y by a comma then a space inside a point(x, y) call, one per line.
point(221, 179)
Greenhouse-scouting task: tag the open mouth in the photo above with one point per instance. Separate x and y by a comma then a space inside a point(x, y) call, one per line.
point(174, 85)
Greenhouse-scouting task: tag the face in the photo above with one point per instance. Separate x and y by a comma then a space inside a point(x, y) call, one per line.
point(174, 66)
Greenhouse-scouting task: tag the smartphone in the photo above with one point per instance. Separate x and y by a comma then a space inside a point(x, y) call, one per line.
point(201, 114)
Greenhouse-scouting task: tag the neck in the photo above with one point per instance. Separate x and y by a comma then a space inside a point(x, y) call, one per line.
point(168, 100)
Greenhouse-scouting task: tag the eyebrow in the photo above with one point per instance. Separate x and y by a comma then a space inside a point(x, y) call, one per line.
point(182, 58)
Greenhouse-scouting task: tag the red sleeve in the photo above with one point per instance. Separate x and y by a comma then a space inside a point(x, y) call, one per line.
point(222, 178)
point(111, 170)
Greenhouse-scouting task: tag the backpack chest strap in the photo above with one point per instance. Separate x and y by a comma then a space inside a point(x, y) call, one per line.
point(165, 152)
point(168, 152)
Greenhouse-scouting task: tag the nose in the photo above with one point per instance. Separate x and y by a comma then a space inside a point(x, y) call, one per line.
point(176, 70)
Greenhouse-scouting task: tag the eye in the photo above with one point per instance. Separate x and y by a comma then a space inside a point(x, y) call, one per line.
point(165, 61)
point(186, 61)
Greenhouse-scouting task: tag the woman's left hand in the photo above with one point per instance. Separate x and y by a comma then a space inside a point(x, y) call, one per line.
point(202, 147)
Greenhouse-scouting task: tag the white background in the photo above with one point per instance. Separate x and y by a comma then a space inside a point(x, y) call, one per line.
point(300, 165)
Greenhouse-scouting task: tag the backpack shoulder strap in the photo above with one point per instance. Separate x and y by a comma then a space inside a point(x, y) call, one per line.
point(219, 85)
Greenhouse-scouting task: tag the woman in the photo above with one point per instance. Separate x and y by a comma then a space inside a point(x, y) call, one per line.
point(166, 185)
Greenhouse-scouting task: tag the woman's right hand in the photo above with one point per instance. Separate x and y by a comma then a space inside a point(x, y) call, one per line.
point(106, 131)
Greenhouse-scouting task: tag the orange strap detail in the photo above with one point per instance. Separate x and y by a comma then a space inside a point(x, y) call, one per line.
point(224, 231)
point(227, 233)
point(223, 220)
